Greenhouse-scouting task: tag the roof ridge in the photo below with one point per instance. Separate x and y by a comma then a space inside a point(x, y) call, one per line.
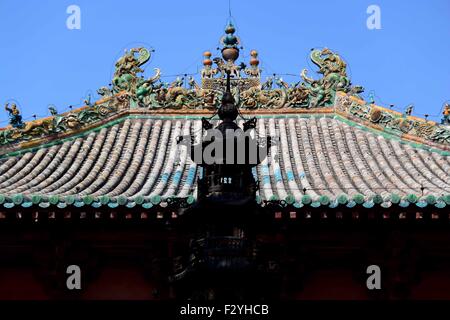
point(406, 127)
point(44, 142)
point(131, 93)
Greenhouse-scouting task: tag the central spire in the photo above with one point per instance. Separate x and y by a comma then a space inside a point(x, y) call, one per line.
point(230, 42)
point(242, 77)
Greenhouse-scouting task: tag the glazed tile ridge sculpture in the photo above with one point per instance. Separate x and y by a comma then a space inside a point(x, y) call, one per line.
point(131, 93)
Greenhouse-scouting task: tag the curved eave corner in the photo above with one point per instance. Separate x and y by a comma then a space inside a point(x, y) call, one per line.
point(392, 124)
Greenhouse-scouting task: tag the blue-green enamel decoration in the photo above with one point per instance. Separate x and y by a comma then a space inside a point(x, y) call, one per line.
point(274, 197)
point(342, 199)
point(17, 199)
point(421, 204)
point(104, 200)
point(298, 205)
point(147, 205)
point(53, 199)
point(440, 204)
point(412, 198)
point(306, 199)
point(386, 205)
point(70, 199)
point(324, 200)
point(88, 199)
point(377, 199)
point(113, 205)
point(8, 205)
point(395, 198)
point(351, 204)
point(315, 204)
point(122, 200)
point(290, 199)
point(36, 198)
point(333, 204)
point(78, 204)
point(190, 199)
point(96, 204)
point(368, 204)
point(44, 204)
point(430, 199)
point(61, 205)
point(156, 199)
point(139, 199)
point(27, 204)
point(131, 204)
point(358, 198)
point(404, 203)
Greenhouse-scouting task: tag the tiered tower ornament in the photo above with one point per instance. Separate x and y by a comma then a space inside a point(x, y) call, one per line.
point(214, 78)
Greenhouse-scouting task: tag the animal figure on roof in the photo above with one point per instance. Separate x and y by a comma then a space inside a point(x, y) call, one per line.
point(223, 67)
point(126, 78)
point(446, 113)
point(15, 118)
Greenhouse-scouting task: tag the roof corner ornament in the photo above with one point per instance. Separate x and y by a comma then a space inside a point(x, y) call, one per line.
point(15, 118)
point(56, 123)
point(399, 124)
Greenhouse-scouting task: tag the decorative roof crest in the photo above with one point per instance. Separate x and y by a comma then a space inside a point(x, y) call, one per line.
point(130, 90)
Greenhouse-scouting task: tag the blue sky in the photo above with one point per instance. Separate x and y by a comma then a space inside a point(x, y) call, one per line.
point(42, 62)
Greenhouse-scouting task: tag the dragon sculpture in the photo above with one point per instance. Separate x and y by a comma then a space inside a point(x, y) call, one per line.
point(333, 69)
point(309, 93)
point(126, 76)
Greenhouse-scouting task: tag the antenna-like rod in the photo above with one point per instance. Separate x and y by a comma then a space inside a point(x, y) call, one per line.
point(228, 81)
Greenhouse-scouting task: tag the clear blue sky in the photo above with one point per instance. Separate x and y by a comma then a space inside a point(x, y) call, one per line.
point(42, 62)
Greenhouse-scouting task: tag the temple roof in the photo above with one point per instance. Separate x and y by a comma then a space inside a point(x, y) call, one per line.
point(334, 149)
point(134, 160)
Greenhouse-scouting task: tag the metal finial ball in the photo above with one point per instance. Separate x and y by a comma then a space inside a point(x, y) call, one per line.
point(230, 54)
point(230, 29)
